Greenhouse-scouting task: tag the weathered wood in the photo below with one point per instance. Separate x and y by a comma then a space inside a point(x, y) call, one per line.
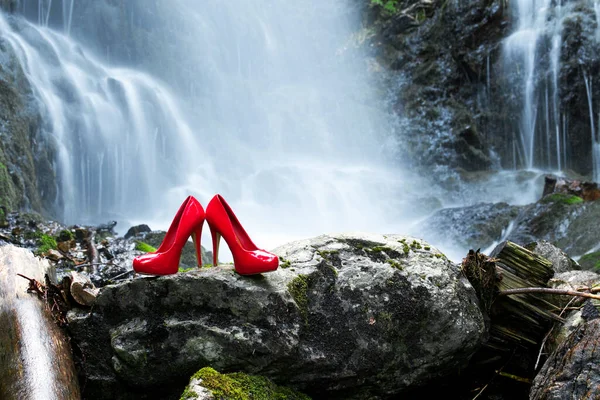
point(572, 371)
point(521, 318)
point(36, 357)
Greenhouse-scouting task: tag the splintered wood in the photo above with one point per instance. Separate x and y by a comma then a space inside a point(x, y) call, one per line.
point(522, 318)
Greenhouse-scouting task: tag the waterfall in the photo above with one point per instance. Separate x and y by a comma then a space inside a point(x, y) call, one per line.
point(266, 103)
point(540, 138)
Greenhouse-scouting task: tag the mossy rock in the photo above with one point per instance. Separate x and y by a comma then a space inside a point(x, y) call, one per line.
point(8, 195)
point(298, 288)
point(590, 261)
point(238, 386)
point(562, 198)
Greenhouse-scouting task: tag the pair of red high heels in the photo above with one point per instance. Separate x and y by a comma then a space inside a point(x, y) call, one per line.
point(247, 258)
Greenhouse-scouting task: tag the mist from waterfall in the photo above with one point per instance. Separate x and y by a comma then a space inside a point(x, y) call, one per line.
point(267, 103)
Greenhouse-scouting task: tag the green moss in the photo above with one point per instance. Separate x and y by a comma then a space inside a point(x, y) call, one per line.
point(378, 249)
point(145, 247)
point(65, 235)
point(438, 255)
point(406, 249)
point(562, 198)
point(188, 394)
point(298, 288)
point(284, 263)
point(46, 243)
point(395, 264)
point(590, 261)
point(8, 195)
point(183, 269)
point(240, 386)
point(427, 248)
point(327, 253)
point(415, 245)
point(207, 265)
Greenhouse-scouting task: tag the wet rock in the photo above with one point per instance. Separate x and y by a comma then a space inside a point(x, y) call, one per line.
point(27, 178)
point(436, 57)
point(477, 226)
point(136, 230)
point(561, 262)
point(377, 313)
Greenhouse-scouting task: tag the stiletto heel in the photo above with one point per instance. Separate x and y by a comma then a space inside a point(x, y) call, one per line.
point(247, 258)
point(196, 238)
point(165, 260)
point(216, 239)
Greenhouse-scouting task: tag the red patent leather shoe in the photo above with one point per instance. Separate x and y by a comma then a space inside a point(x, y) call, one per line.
point(247, 258)
point(165, 260)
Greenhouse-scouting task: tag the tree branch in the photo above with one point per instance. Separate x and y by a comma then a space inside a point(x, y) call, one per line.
point(509, 292)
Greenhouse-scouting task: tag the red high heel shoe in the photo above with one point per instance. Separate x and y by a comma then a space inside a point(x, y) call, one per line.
point(165, 260)
point(247, 258)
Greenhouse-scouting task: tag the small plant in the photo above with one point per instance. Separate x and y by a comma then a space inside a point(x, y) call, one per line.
point(388, 6)
point(65, 235)
point(46, 243)
point(145, 247)
point(562, 198)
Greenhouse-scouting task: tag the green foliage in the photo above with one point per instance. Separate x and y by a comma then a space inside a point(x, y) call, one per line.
point(284, 263)
point(562, 198)
point(239, 386)
point(395, 264)
point(145, 247)
point(46, 243)
point(388, 6)
point(590, 261)
point(65, 235)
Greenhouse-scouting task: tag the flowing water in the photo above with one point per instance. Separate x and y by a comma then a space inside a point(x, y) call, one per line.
point(267, 105)
point(541, 138)
point(532, 56)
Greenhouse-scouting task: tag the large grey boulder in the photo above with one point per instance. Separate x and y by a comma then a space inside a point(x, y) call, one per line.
point(347, 316)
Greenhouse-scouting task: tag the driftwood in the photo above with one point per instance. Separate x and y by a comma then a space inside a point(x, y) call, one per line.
point(522, 318)
point(92, 252)
point(572, 370)
point(36, 356)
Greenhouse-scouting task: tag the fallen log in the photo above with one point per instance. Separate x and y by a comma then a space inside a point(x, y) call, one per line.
point(522, 318)
point(36, 356)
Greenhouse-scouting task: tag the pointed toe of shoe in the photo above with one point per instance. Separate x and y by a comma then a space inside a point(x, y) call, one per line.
point(153, 264)
point(256, 262)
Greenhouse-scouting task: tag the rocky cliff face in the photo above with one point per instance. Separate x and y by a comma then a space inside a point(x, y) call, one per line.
point(27, 177)
point(460, 102)
point(437, 55)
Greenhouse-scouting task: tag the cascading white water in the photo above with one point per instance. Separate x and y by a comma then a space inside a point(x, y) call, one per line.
point(108, 124)
point(277, 117)
point(541, 136)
